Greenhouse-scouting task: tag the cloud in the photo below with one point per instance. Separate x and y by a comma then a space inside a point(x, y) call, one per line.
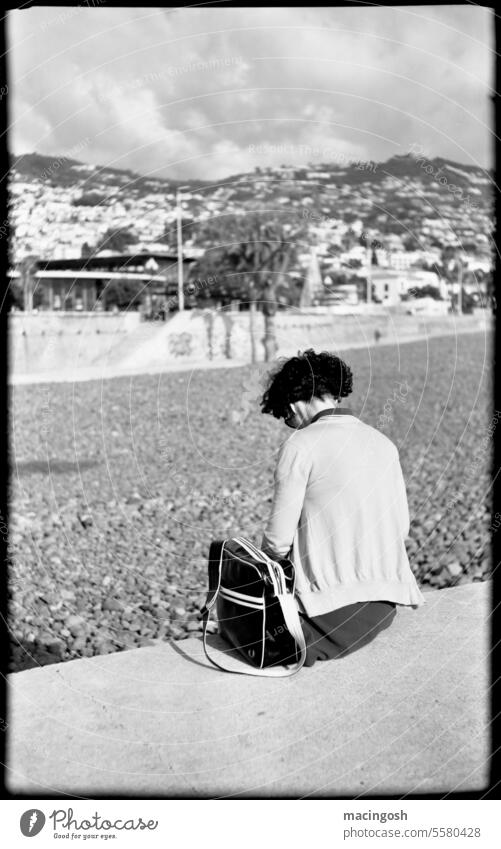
point(188, 92)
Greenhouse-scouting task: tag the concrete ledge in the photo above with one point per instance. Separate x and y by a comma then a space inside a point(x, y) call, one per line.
point(409, 713)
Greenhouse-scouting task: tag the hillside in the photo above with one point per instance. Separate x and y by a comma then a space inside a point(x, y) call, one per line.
point(60, 203)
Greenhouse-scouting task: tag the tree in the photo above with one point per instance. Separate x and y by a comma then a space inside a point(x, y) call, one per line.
point(432, 266)
point(339, 278)
point(15, 295)
point(254, 261)
point(349, 239)
point(263, 257)
point(411, 242)
point(115, 240)
point(124, 294)
point(490, 291)
point(427, 291)
point(90, 199)
point(27, 268)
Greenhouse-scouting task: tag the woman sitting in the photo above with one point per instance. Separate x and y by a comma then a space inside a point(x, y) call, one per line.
point(339, 509)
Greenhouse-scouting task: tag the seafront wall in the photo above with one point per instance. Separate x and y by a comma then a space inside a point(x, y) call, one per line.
point(52, 343)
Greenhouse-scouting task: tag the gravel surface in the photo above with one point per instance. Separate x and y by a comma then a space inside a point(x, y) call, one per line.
point(118, 487)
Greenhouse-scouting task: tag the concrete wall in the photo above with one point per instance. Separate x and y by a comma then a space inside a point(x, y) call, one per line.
point(295, 330)
point(407, 713)
point(48, 343)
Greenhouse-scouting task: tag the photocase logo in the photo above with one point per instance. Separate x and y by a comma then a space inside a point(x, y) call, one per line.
point(32, 822)
point(252, 392)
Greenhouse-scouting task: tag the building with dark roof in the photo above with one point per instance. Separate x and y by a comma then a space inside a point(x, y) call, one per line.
point(81, 283)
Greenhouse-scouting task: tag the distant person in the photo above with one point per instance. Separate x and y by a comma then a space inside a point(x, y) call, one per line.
point(339, 509)
point(377, 334)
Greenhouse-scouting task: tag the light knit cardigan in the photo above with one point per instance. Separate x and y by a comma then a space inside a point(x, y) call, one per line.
point(340, 502)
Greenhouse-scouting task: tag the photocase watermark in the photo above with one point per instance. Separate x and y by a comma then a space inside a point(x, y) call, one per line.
point(253, 388)
point(168, 72)
point(71, 153)
point(190, 289)
point(4, 528)
point(280, 629)
point(225, 499)
point(321, 219)
point(436, 173)
point(45, 413)
point(209, 65)
point(33, 821)
point(496, 522)
point(167, 457)
point(327, 154)
point(471, 468)
point(4, 90)
point(66, 16)
point(398, 397)
point(64, 819)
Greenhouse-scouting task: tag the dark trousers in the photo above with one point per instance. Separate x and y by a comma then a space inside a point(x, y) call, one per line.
point(343, 631)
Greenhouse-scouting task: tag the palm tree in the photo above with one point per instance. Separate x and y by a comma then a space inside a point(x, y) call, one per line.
point(280, 264)
point(263, 254)
point(255, 264)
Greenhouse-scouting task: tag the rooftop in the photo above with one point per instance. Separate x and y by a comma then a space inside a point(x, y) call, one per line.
point(109, 260)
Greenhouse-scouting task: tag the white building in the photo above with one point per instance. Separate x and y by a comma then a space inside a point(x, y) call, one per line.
point(390, 284)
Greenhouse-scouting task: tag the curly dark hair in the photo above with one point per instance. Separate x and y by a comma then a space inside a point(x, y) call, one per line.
point(303, 377)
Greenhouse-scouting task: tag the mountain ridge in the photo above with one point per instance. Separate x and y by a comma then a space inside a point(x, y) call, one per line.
point(70, 171)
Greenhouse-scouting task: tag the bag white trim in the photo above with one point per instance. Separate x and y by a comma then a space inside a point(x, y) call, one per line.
point(290, 613)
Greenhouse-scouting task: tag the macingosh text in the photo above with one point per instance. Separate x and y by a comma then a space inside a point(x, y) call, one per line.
point(381, 816)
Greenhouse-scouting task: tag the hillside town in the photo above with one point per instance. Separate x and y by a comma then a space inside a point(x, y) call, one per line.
point(361, 231)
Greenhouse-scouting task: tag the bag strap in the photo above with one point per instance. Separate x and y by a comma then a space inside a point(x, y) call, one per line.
point(251, 549)
point(260, 555)
point(215, 563)
point(285, 599)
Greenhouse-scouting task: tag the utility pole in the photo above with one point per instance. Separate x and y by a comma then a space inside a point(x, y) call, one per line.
point(180, 289)
point(369, 274)
point(460, 283)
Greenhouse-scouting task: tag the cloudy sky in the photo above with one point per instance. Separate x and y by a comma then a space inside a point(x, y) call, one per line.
point(206, 93)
